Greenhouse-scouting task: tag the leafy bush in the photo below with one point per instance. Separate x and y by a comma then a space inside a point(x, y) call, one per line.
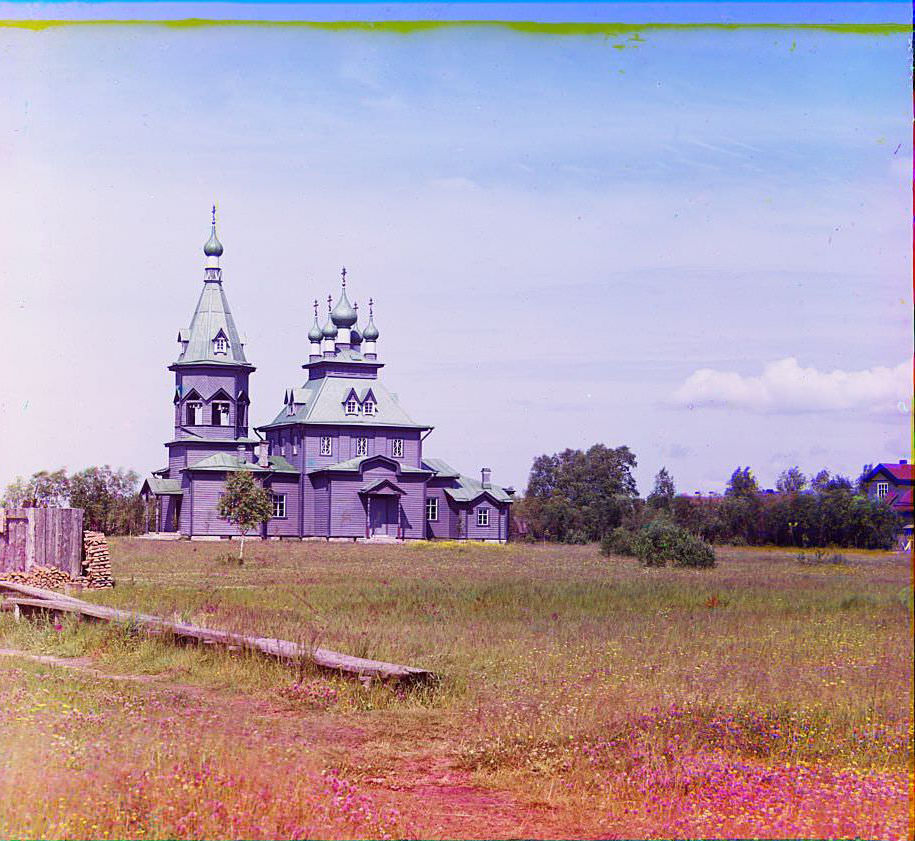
point(576, 536)
point(662, 541)
point(819, 557)
point(620, 541)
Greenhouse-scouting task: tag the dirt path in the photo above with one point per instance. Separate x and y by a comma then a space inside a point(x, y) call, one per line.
point(425, 784)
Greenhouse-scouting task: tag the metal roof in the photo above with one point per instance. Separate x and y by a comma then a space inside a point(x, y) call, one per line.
point(211, 317)
point(229, 461)
point(162, 487)
point(469, 490)
point(352, 465)
point(375, 487)
point(320, 401)
point(442, 469)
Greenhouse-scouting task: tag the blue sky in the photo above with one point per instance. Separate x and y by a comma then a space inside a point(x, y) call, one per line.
point(567, 241)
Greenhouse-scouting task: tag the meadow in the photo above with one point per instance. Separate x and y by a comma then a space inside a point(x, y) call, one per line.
point(580, 696)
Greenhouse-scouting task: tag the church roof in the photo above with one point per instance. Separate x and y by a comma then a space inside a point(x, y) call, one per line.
point(352, 465)
point(470, 489)
point(442, 469)
point(212, 318)
point(320, 401)
point(162, 487)
point(229, 461)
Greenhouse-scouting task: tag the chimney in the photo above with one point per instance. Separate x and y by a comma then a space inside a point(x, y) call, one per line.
point(242, 455)
point(485, 474)
point(263, 453)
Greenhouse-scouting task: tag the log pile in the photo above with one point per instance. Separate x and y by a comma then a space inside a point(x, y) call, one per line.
point(96, 561)
point(50, 578)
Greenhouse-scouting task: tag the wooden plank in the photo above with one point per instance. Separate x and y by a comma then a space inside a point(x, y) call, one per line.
point(36, 597)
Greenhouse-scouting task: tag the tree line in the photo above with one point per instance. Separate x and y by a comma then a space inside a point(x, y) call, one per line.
point(109, 497)
point(578, 496)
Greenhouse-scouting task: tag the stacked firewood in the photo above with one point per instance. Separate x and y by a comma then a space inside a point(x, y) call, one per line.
point(97, 561)
point(49, 578)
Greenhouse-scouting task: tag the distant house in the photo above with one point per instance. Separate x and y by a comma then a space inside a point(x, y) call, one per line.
point(893, 483)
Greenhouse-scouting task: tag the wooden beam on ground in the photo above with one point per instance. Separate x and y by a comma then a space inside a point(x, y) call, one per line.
point(38, 599)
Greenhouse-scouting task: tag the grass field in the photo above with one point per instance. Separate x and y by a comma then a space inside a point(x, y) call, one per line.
point(581, 696)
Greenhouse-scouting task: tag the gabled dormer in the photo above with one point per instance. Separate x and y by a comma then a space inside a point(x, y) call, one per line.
point(192, 408)
point(221, 343)
point(351, 403)
point(369, 403)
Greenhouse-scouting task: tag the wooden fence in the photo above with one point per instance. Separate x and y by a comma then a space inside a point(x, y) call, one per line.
point(50, 537)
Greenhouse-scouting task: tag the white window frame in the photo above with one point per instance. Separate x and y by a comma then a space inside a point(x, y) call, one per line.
point(368, 408)
point(431, 509)
point(295, 446)
point(195, 406)
point(483, 518)
point(362, 447)
point(213, 409)
point(883, 488)
point(352, 406)
point(279, 506)
point(221, 345)
point(397, 447)
point(327, 445)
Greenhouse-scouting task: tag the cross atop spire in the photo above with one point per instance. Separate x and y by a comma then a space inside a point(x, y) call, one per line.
point(343, 275)
point(316, 309)
point(214, 213)
point(330, 301)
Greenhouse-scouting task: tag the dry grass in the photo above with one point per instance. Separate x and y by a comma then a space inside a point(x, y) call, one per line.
point(764, 697)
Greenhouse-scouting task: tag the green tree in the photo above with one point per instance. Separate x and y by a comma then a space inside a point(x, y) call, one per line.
point(791, 481)
point(109, 499)
point(245, 504)
point(45, 489)
point(662, 496)
point(18, 494)
point(742, 483)
point(580, 494)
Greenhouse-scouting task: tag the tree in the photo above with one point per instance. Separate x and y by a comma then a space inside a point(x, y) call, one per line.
point(109, 499)
point(662, 497)
point(742, 483)
point(245, 504)
point(48, 490)
point(18, 494)
point(580, 494)
point(791, 481)
point(824, 482)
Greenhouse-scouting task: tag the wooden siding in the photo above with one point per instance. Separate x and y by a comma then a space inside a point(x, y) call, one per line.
point(41, 537)
point(445, 528)
point(205, 493)
point(289, 525)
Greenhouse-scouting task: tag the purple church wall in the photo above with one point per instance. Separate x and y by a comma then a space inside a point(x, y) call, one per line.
point(287, 526)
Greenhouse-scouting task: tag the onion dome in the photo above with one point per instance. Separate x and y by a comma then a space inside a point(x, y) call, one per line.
point(213, 247)
point(370, 334)
point(355, 337)
point(330, 329)
point(315, 334)
point(343, 314)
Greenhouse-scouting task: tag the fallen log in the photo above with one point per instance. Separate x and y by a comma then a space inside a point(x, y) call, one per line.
point(37, 599)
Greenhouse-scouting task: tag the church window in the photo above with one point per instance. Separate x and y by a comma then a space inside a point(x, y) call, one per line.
point(279, 506)
point(220, 414)
point(352, 407)
point(362, 446)
point(194, 413)
point(483, 517)
point(883, 488)
point(326, 445)
point(432, 509)
point(397, 448)
point(368, 407)
point(221, 345)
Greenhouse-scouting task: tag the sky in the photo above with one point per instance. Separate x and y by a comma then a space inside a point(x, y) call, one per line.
point(692, 242)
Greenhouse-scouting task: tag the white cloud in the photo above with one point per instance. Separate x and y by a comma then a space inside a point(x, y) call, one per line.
point(784, 386)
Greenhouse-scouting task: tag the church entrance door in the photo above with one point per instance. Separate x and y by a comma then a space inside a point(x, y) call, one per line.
point(383, 519)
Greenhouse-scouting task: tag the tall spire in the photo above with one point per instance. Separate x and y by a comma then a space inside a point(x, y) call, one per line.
point(315, 334)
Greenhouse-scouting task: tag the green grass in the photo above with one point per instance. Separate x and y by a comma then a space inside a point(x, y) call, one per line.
point(562, 670)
